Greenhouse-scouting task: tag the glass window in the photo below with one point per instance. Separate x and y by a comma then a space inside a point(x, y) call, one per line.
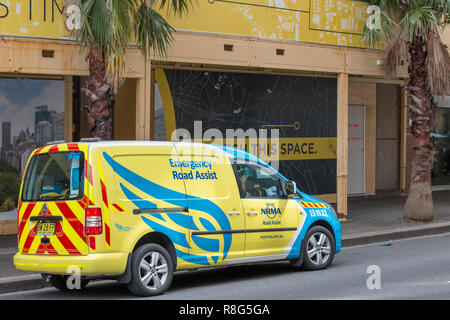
point(159, 124)
point(54, 176)
point(440, 137)
point(259, 181)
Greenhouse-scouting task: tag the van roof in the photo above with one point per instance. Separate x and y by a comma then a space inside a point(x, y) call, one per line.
point(229, 150)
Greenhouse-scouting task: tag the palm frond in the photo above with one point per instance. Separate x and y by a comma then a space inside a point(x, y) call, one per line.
point(396, 51)
point(175, 7)
point(420, 20)
point(106, 29)
point(437, 65)
point(380, 36)
point(387, 6)
point(109, 26)
point(152, 30)
point(117, 38)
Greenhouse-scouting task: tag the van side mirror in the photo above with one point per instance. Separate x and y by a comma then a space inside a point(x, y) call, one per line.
point(291, 188)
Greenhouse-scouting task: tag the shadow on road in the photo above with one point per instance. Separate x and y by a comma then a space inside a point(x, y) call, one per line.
point(183, 280)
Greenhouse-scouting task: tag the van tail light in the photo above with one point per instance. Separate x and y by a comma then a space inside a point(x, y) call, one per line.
point(93, 225)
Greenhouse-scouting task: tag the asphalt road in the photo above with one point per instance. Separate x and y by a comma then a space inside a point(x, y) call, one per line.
point(408, 269)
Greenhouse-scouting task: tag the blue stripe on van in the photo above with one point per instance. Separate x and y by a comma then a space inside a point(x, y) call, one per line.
point(173, 197)
point(175, 236)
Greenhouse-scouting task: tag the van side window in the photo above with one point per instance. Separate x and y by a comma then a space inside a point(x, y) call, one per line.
point(258, 181)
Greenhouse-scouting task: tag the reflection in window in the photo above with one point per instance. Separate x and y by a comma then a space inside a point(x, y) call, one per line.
point(160, 121)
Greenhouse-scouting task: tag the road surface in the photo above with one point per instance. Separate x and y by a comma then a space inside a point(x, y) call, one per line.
point(416, 268)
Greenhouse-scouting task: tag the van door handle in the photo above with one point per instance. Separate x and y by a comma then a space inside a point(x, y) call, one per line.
point(160, 210)
point(252, 213)
point(233, 212)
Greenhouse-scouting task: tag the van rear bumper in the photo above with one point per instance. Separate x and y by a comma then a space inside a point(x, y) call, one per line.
point(91, 264)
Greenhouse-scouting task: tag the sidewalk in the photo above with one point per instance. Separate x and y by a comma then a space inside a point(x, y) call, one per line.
point(369, 221)
point(11, 279)
point(380, 219)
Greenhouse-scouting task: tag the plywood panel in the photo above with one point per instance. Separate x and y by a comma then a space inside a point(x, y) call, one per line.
point(370, 165)
point(125, 111)
point(24, 56)
point(342, 145)
point(388, 138)
point(201, 49)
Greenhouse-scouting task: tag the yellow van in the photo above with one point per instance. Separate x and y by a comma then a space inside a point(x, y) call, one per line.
point(138, 211)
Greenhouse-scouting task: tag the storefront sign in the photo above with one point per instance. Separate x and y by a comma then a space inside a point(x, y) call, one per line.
point(33, 18)
point(288, 119)
point(335, 22)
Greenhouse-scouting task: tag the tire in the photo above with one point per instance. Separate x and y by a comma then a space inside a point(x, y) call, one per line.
point(60, 283)
point(151, 270)
point(319, 248)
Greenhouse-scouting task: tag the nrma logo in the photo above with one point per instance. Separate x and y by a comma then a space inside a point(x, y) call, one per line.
point(270, 211)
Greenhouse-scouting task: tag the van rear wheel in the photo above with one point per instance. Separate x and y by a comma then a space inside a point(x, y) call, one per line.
point(151, 270)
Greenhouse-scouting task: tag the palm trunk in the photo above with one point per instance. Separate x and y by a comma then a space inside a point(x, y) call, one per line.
point(100, 99)
point(419, 205)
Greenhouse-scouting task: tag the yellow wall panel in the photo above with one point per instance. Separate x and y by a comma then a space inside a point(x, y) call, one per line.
point(33, 18)
point(335, 22)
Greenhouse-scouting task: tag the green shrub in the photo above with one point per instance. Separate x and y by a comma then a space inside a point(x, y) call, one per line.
point(8, 205)
point(9, 183)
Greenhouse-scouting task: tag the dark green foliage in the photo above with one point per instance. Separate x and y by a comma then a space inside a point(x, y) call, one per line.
point(9, 185)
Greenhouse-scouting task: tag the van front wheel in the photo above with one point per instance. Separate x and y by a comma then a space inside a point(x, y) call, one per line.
point(319, 248)
point(151, 270)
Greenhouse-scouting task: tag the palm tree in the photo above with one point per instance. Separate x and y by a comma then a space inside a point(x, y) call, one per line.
point(107, 29)
point(410, 31)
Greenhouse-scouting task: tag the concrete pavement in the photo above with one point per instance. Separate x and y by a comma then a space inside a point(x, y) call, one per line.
point(381, 219)
point(369, 220)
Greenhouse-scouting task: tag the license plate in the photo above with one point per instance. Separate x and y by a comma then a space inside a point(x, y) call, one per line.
point(46, 228)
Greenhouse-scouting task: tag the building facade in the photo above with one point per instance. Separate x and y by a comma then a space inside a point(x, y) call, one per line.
point(6, 139)
point(298, 66)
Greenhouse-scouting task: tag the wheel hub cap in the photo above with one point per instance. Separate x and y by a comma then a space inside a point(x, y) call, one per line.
point(153, 270)
point(319, 248)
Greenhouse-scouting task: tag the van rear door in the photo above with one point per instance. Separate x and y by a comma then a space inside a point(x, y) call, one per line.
point(52, 202)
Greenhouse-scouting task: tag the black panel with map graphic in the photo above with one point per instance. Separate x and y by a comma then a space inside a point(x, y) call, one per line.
point(297, 106)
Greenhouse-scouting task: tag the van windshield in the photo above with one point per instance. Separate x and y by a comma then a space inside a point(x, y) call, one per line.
point(54, 176)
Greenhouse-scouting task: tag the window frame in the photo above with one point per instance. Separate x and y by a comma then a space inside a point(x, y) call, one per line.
point(30, 166)
point(276, 173)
